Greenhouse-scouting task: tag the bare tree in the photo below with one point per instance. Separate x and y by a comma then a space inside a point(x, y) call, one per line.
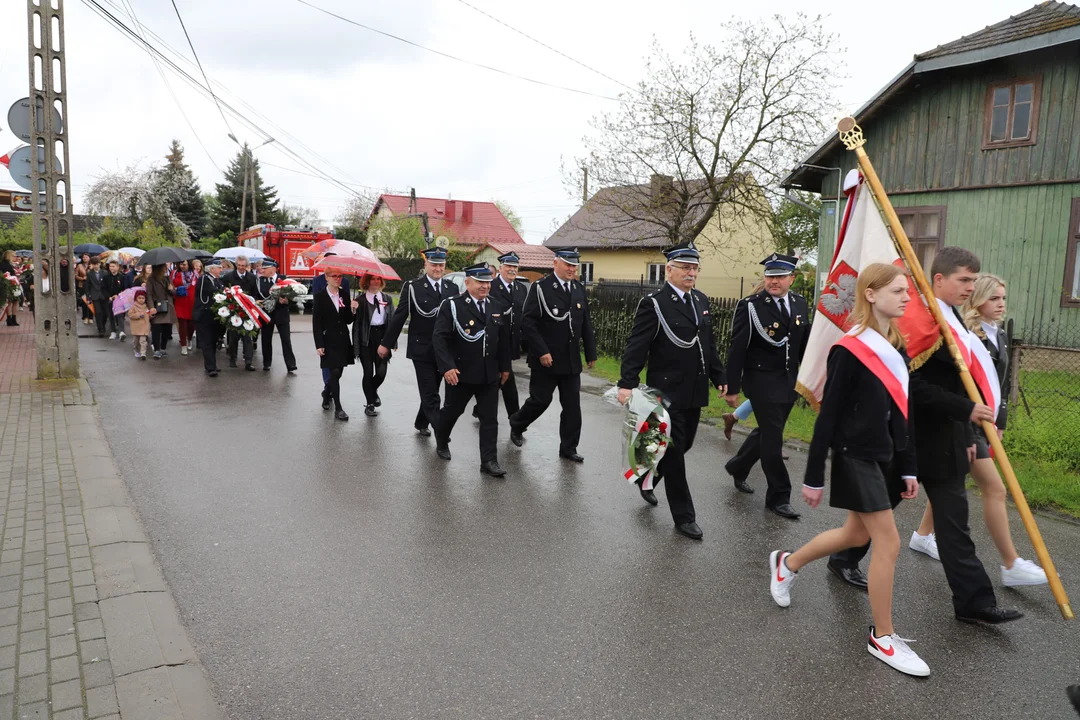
point(713, 130)
point(357, 209)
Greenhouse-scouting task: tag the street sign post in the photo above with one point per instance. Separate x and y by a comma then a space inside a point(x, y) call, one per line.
point(19, 119)
point(19, 166)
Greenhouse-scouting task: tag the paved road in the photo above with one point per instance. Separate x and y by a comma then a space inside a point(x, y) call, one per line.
point(340, 570)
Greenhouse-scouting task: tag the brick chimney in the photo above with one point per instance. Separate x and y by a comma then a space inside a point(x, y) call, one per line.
point(451, 211)
point(467, 211)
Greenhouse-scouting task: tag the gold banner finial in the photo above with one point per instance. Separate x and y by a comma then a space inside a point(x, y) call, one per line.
point(850, 133)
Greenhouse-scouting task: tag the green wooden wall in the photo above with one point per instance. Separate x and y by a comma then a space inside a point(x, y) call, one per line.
point(1020, 234)
point(930, 136)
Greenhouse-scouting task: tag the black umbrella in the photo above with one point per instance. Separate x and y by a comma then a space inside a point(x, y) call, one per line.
point(90, 249)
point(162, 255)
point(197, 253)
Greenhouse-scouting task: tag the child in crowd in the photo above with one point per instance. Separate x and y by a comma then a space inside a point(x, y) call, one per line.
point(139, 318)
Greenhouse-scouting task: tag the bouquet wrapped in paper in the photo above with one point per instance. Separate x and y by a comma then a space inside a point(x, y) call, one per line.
point(239, 312)
point(11, 289)
point(646, 435)
point(291, 290)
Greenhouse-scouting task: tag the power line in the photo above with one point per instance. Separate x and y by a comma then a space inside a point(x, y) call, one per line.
point(199, 63)
point(457, 59)
point(545, 45)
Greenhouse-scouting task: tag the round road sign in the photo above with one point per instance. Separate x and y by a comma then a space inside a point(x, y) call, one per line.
point(19, 120)
point(20, 166)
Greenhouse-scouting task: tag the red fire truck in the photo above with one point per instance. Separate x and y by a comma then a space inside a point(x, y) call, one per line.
point(285, 246)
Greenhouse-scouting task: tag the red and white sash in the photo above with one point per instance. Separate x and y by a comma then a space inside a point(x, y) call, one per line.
point(977, 357)
point(882, 359)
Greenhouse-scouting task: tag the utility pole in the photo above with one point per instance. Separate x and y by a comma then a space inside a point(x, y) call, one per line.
point(57, 339)
point(251, 166)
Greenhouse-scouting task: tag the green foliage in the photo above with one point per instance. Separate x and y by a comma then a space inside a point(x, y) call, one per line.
point(805, 282)
point(225, 211)
point(213, 244)
point(151, 236)
point(406, 268)
point(187, 202)
point(396, 237)
point(794, 227)
point(114, 238)
point(1047, 435)
point(19, 236)
point(457, 259)
point(351, 233)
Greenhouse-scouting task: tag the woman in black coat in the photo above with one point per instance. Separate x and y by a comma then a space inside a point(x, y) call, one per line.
point(375, 310)
point(865, 421)
point(331, 314)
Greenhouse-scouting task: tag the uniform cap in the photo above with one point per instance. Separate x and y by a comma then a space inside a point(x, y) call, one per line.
point(684, 252)
point(479, 271)
point(509, 258)
point(570, 256)
point(435, 255)
point(777, 264)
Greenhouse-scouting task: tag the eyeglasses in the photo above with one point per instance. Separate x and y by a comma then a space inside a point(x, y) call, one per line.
point(334, 277)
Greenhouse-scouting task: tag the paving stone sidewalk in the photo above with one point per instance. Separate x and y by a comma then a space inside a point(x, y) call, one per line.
point(88, 628)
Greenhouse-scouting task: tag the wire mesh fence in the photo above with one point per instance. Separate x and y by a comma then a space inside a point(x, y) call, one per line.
point(1044, 398)
point(613, 305)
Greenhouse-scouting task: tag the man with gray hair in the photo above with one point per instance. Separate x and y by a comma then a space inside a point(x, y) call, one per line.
point(247, 282)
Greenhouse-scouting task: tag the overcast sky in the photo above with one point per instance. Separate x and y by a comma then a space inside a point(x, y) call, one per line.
point(382, 113)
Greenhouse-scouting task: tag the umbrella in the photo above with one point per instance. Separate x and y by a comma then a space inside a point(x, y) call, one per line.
point(124, 301)
point(118, 256)
point(132, 251)
point(357, 266)
point(338, 247)
point(90, 249)
point(24, 253)
point(234, 252)
point(162, 255)
point(197, 253)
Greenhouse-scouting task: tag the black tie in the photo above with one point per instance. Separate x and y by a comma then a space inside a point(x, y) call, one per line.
point(483, 308)
point(784, 310)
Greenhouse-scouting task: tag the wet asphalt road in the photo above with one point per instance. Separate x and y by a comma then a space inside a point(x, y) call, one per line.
point(341, 570)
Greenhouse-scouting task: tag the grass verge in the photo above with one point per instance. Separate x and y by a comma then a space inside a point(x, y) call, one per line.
point(1047, 485)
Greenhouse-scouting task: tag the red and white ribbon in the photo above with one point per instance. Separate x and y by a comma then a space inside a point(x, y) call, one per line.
point(247, 305)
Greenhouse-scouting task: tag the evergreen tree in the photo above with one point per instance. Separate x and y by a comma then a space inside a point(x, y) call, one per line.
point(186, 200)
point(225, 213)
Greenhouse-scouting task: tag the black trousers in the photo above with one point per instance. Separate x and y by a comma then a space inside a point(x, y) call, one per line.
point(487, 400)
point(333, 388)
point(281, 321)
point(428, 378)
point(373, 365)
point(967, 578)
point(159, 336)
point(672, 467)
point(766, 443)
point(235, 338)
point(207, 334)
point(102, 314)
point(509, 393)
point(542, 386)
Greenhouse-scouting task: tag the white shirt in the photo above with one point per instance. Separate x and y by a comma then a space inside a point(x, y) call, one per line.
point(480, 304)
point(379, 317)
point(564, 283)
point(678, 290)
point(335, 297)
point(509, 287)
point(434, 284)
point(682, 297)
point(991, 331)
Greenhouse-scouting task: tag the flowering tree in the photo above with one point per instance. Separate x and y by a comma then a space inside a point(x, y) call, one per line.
point(136, 195)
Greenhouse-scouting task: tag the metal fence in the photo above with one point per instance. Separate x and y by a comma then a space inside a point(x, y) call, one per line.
point(1044, 397)
point(613, 305)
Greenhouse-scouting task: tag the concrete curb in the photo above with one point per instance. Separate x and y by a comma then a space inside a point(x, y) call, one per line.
point(156, 671)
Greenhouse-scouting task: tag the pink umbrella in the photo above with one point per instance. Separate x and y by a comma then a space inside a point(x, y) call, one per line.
point(124, 301)
point(352, 265)
point(339, 247)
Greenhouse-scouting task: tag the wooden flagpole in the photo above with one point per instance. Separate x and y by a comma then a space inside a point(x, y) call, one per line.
point(852, 137)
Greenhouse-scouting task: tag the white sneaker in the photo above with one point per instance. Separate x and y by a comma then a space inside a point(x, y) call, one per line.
point(894, 652)
point(122, 336)
point(138, 354)
point(780, 578)
point(112, 336)
point(183, 350)
point(926, 544)
point(1023, 572)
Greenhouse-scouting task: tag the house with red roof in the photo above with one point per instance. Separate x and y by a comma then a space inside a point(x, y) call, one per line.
point(536, 260)
point(469, 223)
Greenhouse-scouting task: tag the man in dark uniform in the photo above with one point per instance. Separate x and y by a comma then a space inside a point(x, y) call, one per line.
point(207, 327)
point(419, 304)
point(471, 342)
point(556, 325)
point(769, 333)
point(245, 279)
point(510, 295)
point(279, 318)
point(672, 335)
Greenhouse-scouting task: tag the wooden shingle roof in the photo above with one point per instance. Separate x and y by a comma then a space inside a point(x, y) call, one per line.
point(1043, 18)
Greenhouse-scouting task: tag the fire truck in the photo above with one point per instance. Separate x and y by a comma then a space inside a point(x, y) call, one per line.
point(285, 247)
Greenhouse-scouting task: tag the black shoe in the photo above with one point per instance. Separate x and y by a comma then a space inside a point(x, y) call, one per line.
point(476, 412)
point(369, 410)
point(251, 368)
point(232, 363)
point(1073, 691)
point(266, 369)
point(341, 415)
point(378, 401)
point(743, 487)
point(516, 437)
point(426, 432)
point(492, 468)
point(571, 456)
point(325, 400)
point(443, 451)
point(785, 510)
point(649, 496)
point(690, 530)
point(989, 616)
point(291, 370)
point(213, 373)
point(852, 576)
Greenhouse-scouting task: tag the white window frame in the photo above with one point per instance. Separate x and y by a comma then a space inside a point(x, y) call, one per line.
point(656, 273)
point(586, 272)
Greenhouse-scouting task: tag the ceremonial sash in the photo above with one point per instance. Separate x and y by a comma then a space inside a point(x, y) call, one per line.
point(977, 358)
point(883, 360)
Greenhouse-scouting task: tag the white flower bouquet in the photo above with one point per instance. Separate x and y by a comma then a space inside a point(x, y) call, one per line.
point(646, 435)
point(238, 312)
point(291, 290)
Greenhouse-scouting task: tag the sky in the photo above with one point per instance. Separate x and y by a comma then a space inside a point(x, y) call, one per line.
point(373, 112)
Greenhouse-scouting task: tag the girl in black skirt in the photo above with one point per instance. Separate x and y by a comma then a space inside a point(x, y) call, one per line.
point(864, 419)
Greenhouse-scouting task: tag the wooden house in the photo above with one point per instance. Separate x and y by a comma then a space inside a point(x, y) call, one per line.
point(978, 145)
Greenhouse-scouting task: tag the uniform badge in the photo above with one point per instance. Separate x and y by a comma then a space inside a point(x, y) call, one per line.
point(472, 322)
point(495, 315)
point(776, 325)
point(674, 296)
point(796, 319)
point(467, 301)
point(555, 311)
point(771, 333)
point(768, 300)
point(579, 306)
point(468, 331)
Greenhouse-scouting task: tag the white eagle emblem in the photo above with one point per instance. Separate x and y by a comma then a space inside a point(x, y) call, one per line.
point(842, 300)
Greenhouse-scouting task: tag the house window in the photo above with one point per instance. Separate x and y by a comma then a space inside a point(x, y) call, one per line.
point(1012, 113)
point(925, 228)
point(1070, 297)
point(656, 273)
point(585, 272)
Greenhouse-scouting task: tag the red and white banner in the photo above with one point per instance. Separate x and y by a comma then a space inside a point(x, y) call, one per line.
point(882, 359)
point(247, 305)
point(980, 364)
